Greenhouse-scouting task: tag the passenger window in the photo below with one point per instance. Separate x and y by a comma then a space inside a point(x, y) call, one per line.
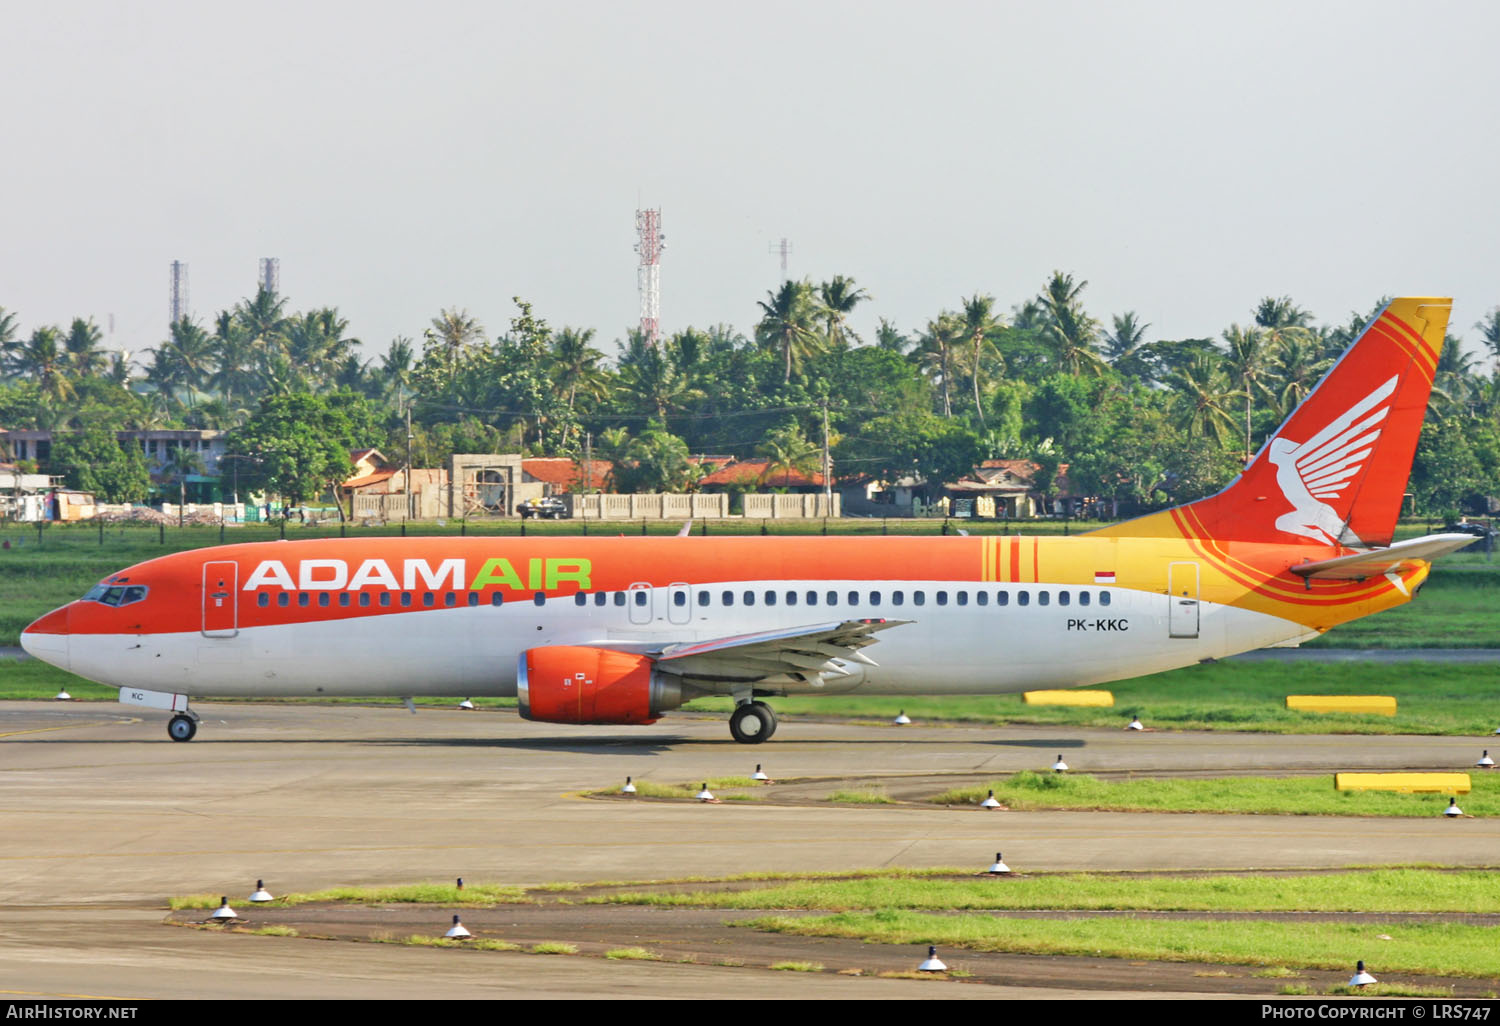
point(897, 597)
point(303, 598)
point(1042, 598)
point(406, 598)
point(1062, 598)
point(981, 598)
point(263, 599)
point(812, 598)
point(770, 598)
point(942, 598)
point(640, 597)
point(580, 599)
point(833, 598)
point(919, 598)
point(727, 598)
point(474, 598)
point(323, 598)
point(1023, 598)
point(874, 598)
point(385, 598)
point(619, 598)
point(540, 598)
point(283, 599)
point(343, 598)
point(600, 598)
point(749, 598)
point(1104, 598)
point(1083, 598)
point(428, 599)
point(679, 598)
point(963, 598)
point(702, 598)
point(450, 598)
point(364, 598)
point(854, 598)
point(497, 599)
point(791, 598)
point(1002, 598)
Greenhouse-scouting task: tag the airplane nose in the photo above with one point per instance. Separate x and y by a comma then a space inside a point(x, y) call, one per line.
point(47, 638)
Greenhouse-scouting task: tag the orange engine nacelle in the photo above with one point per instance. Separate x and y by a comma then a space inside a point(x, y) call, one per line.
point(576, 684)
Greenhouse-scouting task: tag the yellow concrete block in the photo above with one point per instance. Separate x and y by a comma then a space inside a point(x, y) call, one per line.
point(1069, 697)
point(1406, 783)
point(1382, 705)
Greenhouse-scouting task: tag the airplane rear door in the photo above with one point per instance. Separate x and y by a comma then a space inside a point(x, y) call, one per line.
point(679, 603)
point(221, 580)
point(1182, 600)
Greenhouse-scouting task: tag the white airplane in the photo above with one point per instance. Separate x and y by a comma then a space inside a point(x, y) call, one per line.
point(622, 630)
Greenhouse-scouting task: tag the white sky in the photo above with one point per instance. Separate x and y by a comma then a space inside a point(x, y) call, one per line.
point(1184, 158)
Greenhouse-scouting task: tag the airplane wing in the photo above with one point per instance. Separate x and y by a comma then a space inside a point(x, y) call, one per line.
point(1400, 556)
point(809, 655)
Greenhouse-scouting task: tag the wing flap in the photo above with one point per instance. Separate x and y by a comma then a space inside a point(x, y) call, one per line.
point(806, 656)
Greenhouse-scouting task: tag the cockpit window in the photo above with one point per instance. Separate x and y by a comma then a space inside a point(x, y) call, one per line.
point(116, 594)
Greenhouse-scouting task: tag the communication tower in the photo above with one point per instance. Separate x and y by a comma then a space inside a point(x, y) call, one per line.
point(784, 248)
point(270, 274)
point(178, 298)
point(649, 244)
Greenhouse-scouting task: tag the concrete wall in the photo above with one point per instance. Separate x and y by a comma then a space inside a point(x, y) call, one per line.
point(813, 506)
point(654, 506)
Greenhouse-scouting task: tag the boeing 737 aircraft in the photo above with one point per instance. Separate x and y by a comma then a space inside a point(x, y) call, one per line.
point(621, 630)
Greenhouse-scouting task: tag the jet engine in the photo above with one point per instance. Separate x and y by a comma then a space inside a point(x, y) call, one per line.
point(577, 684)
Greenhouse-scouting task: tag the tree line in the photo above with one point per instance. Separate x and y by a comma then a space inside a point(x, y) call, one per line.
point(1136, 420)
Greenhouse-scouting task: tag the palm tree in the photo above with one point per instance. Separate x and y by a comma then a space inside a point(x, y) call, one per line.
point(787, 324)
point(575, 364)
point(454, 331)
point(1126, 338)
point(980, 326)
point(1204, 393)
point(1071, 332)
point(888, 337)
point(1248, 360)
point(1281, 313)
point(1489, 331)
point(181, 462)
point(43, 359)
point(787, 450)
point(85, 358)
point(7, 338)
point(837, 299)
point(184, 361)
point(935, 352)
point(1299, 366)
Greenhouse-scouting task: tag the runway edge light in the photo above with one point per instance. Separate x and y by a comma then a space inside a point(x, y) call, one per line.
point(1485, 762)
point(990, 803)
point(1360, 977)
point(223, 913)
point(1453, 811)
point(1059, 766)
point(902, 720)
point(999, 868)
point(933, 963)
point(261, 894)
point(759, 775)
point(457, 931)
point(706, 795)
point(629, 788)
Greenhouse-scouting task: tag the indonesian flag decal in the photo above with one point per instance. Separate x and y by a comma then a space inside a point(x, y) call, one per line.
point(1104, 577)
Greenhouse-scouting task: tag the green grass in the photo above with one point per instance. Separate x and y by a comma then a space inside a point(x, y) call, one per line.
point(632, 955)
point(1298, 796)
point(651, 789)
point(1432, 698)
point(1377, 890)
point(1442, 949)
point(472, 896)
point(798, 967)
point(554, 948)
point(862, 796)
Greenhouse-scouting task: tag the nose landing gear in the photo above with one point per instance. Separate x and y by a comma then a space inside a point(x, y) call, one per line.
point(752, 722)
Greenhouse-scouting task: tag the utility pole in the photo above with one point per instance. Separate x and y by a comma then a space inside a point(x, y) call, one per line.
point(588, 471)
point(408, 460)
point(827, 463)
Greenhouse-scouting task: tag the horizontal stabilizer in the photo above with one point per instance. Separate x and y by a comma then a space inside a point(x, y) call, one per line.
point(1400, 556)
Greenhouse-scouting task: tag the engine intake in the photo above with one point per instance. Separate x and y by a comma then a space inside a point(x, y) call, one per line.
point(578, 684)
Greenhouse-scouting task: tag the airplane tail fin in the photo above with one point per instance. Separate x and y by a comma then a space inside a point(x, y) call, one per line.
point(1335, 472)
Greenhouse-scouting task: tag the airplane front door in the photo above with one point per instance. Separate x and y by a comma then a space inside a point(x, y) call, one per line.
point(1182, 600)
point(221, 599)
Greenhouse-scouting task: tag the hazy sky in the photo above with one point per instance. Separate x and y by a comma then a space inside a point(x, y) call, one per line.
point(1184, 158)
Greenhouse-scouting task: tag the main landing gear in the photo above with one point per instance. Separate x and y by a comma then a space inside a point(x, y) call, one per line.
point(752, 722)
point(183, 726)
